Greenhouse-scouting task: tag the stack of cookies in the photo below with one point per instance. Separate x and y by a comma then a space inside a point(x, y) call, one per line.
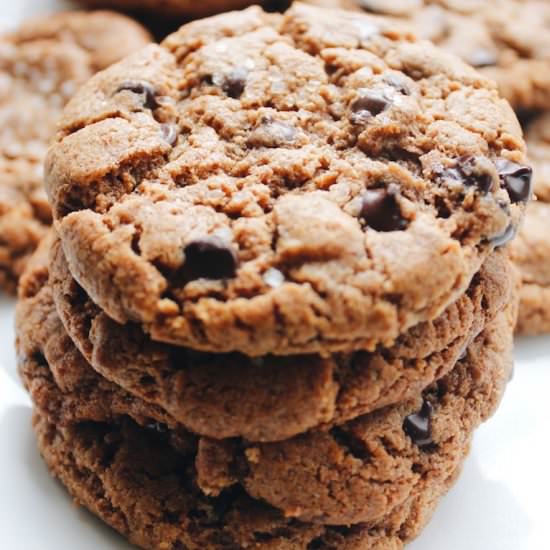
point(278, 300)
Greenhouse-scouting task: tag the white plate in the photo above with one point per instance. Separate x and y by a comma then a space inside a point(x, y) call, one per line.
point(499, 503)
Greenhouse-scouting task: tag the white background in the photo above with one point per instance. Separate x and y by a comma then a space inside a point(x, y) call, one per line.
point(499, 503)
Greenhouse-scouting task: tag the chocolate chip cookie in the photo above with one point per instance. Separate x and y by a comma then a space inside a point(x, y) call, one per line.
point(42, 65)
point(394, 455)
point(307, 183)
point(141, 486)
point(269, 398)
point(507, 40)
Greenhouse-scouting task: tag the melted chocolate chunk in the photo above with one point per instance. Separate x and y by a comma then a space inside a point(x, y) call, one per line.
point(381, 211)
point(505, 237)
point(368, 105)
point(473, 172)
point(516, 179)
point(418, 426)
point(169, 133)
point(209, 258)
point(144, 89)
point(235, 83)
point(482, 58)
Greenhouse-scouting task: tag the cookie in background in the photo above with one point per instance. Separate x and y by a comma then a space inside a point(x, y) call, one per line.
point(42, 64)
point(531, 250)
point(506, 40)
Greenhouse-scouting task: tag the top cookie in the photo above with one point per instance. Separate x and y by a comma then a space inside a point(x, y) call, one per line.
point(312, 182)
point(508, 40)
point(41, 66)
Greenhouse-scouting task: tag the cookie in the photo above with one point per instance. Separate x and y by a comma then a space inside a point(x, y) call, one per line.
point(506, 40)
point(271, 398)
point(139, 485)
point(537, 135)
point(530, 253)
point(42, 64)
point(387, 453)
point(531, 249)
point(324, 186)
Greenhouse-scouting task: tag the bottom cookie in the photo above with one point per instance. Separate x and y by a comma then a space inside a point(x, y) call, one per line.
point(136, 482)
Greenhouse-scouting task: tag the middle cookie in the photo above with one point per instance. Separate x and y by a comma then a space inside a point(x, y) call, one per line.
point(271, 398)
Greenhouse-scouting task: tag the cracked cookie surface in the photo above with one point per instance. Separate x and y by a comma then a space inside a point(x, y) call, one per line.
point(269, 398)
point(312, 182)
point(42, 64)
point(507, 40)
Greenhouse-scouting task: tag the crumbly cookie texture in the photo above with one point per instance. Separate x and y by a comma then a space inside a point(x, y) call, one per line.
point(394, 455)
point(313, 182)
point(507, 40)
point(42, 65)
point(270, 398)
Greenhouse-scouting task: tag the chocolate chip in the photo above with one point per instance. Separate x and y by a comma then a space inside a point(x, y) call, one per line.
point(516, 179)
point(505, 237)
point(144, 89)
point(381, 211)
point(368, 105)
point(235, 82)
point(209, 258)
point(482, 58)
point(418, 426)
point(473, 172)
point(169, 133)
